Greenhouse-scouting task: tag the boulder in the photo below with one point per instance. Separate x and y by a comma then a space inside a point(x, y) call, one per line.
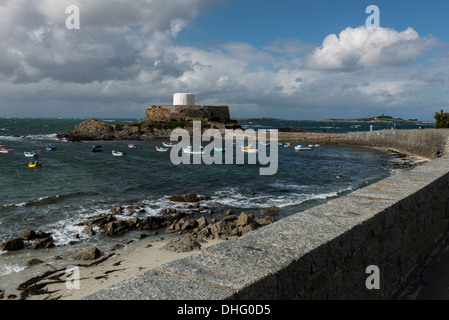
point(227, 212)
point(271, 210)
point(27, 234)
point(220, 230)
point(12, 245)
point(189, 225)
point(33, 262)
point(185, 243)
point(42, 235)
point(43, 243)
point(115, 228)
point(102, 220)
point(245, 219)
point(188, 198)
point(202, 222)
point(117, 210)
point(89, 230)
point(246, 228)
point(89, 254)
point(152, 223)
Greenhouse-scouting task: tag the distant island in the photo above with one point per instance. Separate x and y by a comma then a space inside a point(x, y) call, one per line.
point(261, 119)
point(381, 118)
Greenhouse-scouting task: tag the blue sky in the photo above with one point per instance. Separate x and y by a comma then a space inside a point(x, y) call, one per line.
point(294, 59)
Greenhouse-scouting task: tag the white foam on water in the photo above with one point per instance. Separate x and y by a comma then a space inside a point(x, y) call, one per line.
point(11, 268)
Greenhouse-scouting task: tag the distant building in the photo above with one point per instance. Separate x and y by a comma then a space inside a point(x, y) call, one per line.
point(183, 99)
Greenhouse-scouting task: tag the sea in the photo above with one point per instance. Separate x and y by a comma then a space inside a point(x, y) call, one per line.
point(75, 184)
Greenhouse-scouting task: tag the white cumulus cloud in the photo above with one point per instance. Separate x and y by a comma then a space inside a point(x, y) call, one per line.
point(362, 47)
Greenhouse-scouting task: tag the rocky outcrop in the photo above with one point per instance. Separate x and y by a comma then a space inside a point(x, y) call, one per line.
point(169, 112)
point(89, 254)
point(43, 243)
point(96, 130)
point(12, 244)
point(185, 243)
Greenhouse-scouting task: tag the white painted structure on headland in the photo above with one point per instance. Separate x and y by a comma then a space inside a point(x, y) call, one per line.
point(183, 99)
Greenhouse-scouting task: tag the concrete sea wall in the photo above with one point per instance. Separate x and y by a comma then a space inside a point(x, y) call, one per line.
point(326, 252)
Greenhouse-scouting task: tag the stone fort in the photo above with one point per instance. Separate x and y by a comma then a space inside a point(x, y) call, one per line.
point(184, 108)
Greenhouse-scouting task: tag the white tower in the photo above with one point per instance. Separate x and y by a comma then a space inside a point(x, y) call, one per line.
point(183, 99)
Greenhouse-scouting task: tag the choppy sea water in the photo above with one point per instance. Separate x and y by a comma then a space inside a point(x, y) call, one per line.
point(74, 183)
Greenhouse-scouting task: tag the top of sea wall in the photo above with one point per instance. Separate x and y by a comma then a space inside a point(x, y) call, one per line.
point(421, 142)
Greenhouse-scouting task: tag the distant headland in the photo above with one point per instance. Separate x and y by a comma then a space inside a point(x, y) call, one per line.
point(381, 118)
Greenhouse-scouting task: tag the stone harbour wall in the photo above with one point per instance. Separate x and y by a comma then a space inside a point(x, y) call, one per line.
point(422, 142)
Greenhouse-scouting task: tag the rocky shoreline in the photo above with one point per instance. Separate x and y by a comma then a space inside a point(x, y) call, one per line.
point(190, 227)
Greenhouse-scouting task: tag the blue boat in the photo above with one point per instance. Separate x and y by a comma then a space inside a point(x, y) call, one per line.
point(50, 148)
point(31, 154)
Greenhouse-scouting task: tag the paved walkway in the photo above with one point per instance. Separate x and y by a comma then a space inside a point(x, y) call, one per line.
point(432, 281)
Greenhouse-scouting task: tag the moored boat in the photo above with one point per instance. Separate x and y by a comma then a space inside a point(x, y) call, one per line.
point(97, 149)
point(34, 164)
point(118, 153)
point(31, 154)
point(49, 147)
point(132, 146)
point(160, 149)
point(250, 150)
point(4, 150)
point(168, 144)
point(302, 148)
point(189, 150)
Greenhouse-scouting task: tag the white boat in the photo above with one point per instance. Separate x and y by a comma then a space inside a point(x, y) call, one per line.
point(250, 150)
point(160, 149)
point(189, 150)
point(168, 144)
point(4, 150)
point(118, 153)
point(302, 148)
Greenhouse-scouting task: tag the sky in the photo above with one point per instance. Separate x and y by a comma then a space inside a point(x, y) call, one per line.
point(289, 59)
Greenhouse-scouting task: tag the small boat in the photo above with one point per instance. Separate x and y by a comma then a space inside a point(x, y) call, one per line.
point(189, 150)
point(118, 153)
point(168, 144)
point(132, 146)
point(287, 144)
point(218, 149)
point(4, 150)
point(96, 149)
point(160, 149)
point(34, 164)
point(50, 148)
point(302, 148)
point(250, 150)
point(31, 154)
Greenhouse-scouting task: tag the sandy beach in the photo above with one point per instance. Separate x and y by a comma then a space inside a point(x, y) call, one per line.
point(123, 264)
